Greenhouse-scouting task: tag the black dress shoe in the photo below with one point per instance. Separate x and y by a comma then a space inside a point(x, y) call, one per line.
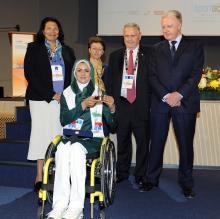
point(37, 187)
point(189, 193)
point(147, 187)
point(140, 180)
point(120, 179)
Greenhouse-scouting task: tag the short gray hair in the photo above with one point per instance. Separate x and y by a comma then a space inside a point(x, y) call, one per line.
point(133, 25)
point(174, 13)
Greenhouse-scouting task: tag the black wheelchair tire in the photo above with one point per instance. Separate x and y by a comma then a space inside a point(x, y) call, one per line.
point(108, 172)
point(40, 212)
point(102, 214)
point(51, 149)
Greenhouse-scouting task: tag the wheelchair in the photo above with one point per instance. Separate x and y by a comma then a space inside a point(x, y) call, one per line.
point(100, 180)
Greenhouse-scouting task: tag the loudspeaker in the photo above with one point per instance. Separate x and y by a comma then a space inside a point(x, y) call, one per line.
point(1, 92)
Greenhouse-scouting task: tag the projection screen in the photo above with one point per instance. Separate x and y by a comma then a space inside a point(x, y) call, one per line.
point(200, 17)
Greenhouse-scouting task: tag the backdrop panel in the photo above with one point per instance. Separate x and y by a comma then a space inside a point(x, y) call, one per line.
point(200, 17)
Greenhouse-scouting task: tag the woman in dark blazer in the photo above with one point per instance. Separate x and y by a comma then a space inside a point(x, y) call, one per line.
point(47, 65)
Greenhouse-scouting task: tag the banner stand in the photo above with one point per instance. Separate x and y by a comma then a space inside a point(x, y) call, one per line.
point(19, 41)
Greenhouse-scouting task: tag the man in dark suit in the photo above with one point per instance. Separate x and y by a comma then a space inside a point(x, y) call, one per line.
point(128, 84)
point(175, 72)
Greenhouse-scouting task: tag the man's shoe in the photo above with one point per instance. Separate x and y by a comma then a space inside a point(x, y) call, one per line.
point(140, 180)
point(147, 187)
point(119, 179)
point(189, 193)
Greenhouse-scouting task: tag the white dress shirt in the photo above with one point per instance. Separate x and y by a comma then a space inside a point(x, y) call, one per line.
point(135, 53)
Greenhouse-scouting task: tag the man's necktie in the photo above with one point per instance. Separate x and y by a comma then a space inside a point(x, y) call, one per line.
point(173, 49)
point(131, 93)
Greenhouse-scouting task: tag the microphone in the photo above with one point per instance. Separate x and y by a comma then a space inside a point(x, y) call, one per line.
point(17, 27)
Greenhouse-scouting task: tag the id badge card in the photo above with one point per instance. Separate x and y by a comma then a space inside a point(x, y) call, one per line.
point(78, 124)
point(75, 125)
point(98, 126)
point(57, 72)
point(127, 82)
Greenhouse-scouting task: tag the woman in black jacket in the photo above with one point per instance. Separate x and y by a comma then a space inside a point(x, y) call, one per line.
point(47, 65)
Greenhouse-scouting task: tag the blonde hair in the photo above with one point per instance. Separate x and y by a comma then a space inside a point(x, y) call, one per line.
point(174, 13)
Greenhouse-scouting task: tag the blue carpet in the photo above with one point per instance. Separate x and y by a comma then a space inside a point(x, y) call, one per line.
point(9, 194)
point(165, 202)
point(172, 190)
point(17, 176)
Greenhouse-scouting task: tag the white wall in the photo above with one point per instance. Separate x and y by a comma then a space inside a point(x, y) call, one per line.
point(200, 17)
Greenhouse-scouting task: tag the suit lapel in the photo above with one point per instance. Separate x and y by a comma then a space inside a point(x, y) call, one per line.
point(120, 67)
point(179, 52)
point(180, 49)
point(141, 60)
point(166, 51)
point(121, 60)
point(44, 55)
point(65, 55)
point(141, 55)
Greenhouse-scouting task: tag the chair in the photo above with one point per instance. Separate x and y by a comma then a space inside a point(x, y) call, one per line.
point(100, 182)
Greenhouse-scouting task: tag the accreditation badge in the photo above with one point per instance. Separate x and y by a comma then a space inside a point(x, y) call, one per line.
point(127, 81)
point(57, 72)
point(75, 125)
point(96, 119)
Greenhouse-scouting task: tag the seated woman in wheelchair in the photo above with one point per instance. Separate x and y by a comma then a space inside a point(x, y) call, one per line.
point(80, 110)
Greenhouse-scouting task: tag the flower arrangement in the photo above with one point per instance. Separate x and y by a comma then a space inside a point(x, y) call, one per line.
point(210, 80)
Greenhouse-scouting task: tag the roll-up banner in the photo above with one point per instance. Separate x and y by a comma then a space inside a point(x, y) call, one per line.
point(19, 41)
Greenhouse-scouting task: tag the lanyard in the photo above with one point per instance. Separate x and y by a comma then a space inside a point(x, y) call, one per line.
point(54, 56)
point(126, 61)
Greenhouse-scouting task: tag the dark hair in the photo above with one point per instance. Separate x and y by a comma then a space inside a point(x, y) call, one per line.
point(96, 40)
point(40, 36)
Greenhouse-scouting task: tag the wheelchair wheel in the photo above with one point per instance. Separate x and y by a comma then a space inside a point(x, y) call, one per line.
point(102, 214)
point(40, 211)
point(50, 153)
point(108, 172)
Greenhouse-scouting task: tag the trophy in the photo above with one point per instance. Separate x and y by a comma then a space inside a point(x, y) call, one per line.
point(100, 73)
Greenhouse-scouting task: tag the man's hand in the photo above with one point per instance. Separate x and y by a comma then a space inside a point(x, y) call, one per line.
point(109, 101)
point(173, 99)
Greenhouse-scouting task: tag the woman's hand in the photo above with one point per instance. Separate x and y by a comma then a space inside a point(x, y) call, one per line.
point(57, 97)
point(88, 102)
point(109, 101)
